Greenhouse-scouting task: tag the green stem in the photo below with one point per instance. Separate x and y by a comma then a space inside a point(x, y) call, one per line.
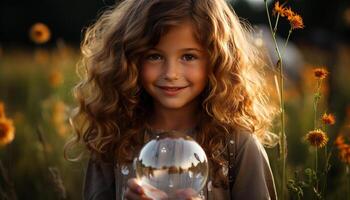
point(316, 99)
point(328, 157)
point(287, 40)
point(282, 135)
point(316, 168)
point(276, 24)
point(324, 191)
point(284, 139)
point(273, 34)
point(348, 181)
point(326, 172)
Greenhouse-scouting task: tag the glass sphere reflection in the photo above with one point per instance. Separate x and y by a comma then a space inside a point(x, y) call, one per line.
point(170, 163)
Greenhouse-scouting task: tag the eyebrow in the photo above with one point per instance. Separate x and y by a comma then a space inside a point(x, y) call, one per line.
point(184, 49)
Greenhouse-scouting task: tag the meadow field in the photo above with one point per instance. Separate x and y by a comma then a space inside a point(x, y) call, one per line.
point(36, 102)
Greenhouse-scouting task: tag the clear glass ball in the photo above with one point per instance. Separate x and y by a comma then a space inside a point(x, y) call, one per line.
point(170, 163)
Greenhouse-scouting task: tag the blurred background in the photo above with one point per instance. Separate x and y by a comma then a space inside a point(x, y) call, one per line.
point(39, 50)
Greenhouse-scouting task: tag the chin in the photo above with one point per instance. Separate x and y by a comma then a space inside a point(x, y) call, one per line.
point(172, 105)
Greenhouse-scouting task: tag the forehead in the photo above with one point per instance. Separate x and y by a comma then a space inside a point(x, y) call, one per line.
point(182, 35)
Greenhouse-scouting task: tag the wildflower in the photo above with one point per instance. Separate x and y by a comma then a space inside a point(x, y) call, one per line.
point(62, 130)
point(339, 141)
point(344, 149)
point(55, 78)
point(346, 16)
point(320, 73)
point(6, 127)
point(7, 131)
point(317, 138)
point(41, 56)
point(59, 118)
point(328, 119)
point(279, 9)
point(288, 13)
point(58, 112)
point(2, 110)
point(344, 153)
point(40, 33)
point(296, 21)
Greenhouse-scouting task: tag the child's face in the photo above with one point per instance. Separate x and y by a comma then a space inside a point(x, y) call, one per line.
point(174, 72)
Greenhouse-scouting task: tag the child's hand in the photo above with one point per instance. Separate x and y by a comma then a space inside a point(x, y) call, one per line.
point(188, 194)
point(135, 191)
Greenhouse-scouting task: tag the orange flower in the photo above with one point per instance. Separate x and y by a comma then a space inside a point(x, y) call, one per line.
point(62, 130)
point(41, 56)
point(320, 73)
point(339, 141)
point(328, 119)
point(58, 113)
point(344, 149)
point(296, 21)
point(55, 78)
point(40, 33)
point(279, 9)
point(2, 110)
point(317, 138)
point(59, 117)
point(7, 131)
point(344, 154)
point(288, 13)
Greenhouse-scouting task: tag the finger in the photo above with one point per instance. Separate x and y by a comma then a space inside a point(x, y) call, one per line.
point(190, 198)
point(134, 186)
point(188, 194)
point(130, 195)
point(144, 197)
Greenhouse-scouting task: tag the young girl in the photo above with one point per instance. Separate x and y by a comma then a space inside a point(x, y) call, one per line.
point(187, 65)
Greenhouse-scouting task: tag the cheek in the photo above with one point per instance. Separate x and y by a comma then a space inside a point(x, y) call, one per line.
point(198, 75)
point(149, 73)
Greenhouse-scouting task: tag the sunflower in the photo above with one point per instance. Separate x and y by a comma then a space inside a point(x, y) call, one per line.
point(7, 131)
point(39, 33)
point(317, 138)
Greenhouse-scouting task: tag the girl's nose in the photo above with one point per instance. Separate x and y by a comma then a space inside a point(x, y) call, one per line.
point(171, 71)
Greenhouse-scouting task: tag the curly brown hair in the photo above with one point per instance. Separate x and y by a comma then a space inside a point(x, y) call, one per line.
point(113, 106)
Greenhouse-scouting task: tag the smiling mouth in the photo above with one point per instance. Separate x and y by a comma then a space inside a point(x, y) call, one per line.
point(171, 91)
point(171, 88)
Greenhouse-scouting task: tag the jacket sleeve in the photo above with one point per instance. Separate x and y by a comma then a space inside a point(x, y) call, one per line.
point(99, 182)
point(253, 179)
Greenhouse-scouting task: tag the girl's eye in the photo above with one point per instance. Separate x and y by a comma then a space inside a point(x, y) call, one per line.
point(189, 57)
point(153, 57)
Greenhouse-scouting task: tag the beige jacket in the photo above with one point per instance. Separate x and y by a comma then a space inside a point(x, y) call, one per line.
point(252, 176)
